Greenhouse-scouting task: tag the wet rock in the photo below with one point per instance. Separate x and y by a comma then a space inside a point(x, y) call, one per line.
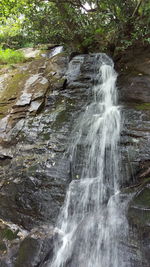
point(139, 220)
point(135, 98)
point(134, 76)
point(3, 263)
point(20, 248)
point(131, 90)
point(37, 118)
point(24, 100)
point(38, 175)
point(10, 237)
point(135, 142)
point(5, 157)
point(134, 92)
point(25, 91)
point(139, 210)
point(19, 109)
point(36, 106)
point(36, 248)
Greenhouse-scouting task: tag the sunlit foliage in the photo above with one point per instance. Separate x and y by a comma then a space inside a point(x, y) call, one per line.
point(83, 25)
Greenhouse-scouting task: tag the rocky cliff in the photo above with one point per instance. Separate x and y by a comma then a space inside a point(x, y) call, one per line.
point(39, 103)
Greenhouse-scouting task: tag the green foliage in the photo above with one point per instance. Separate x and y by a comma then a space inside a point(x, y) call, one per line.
point(10, 32)
point(84, 24)
point(8, 234)
point(10, 56)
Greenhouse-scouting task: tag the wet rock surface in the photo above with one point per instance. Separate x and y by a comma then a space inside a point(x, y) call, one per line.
point(36, 248)
point(34, 170)
point(134, 93)
point(39, 104)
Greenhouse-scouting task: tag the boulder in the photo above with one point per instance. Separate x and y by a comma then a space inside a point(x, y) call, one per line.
point(36, 248)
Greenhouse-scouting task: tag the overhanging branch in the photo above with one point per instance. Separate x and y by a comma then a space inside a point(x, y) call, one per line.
point(137, 8)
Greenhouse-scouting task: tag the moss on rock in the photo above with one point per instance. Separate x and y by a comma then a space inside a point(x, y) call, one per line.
point(143, 106)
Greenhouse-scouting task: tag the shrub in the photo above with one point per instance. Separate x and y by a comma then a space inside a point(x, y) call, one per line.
point(10, 56)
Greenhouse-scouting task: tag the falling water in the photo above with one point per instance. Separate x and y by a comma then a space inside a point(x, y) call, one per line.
point(92, 220)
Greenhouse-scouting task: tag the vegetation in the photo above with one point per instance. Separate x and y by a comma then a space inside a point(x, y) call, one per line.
point(82, 24)
point(10, 56)
point(144, 106)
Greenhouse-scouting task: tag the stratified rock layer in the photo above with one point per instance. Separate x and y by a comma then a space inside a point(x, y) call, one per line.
point(39, 104)
point(134, 92)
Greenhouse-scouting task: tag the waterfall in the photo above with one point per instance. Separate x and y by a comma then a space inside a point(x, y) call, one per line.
point(92, 221)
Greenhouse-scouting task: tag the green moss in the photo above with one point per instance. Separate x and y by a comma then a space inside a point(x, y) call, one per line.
point(28, 252)
point(13, 87)
point(32, 169)
point(61, 118)
point(39, 55)
point(144, 106)
point(3, 246)
point(46, 136)
point(8, 234)
point(143, 199)
point(3, 110)
point(146, 180)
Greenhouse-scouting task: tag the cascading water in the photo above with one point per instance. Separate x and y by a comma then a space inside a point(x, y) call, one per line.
point(92, 220)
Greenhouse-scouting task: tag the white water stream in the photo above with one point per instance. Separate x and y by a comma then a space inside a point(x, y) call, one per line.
point(92, 220)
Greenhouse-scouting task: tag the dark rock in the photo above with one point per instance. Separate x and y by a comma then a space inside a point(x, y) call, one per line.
point(134, 76)
point(136, 89)
point(139, 219)
point(134, 94)
point(5, 157)
point(73, 54)
point(52, 46)
point(3, 263)
point(35, 248)
point(139, 210)
point(10, 238)
point(37, 178)
point(34, 180)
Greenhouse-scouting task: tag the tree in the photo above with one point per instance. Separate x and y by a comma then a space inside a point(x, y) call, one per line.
point(83, 25)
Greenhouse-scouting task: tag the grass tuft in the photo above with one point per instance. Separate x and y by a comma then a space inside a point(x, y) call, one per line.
point(10, 56)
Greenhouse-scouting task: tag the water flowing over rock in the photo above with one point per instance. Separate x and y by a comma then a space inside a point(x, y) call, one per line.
point(41, 102)
point(92, 218)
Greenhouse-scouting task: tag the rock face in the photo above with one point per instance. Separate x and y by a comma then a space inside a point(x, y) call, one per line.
point(39, 103)
point(134, 92)
point(35, 129)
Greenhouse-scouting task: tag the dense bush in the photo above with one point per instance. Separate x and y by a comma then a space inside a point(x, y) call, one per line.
point(10, 56)
point(81, 24)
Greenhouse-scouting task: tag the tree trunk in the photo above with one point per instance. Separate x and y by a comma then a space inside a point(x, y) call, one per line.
point(72, 27)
